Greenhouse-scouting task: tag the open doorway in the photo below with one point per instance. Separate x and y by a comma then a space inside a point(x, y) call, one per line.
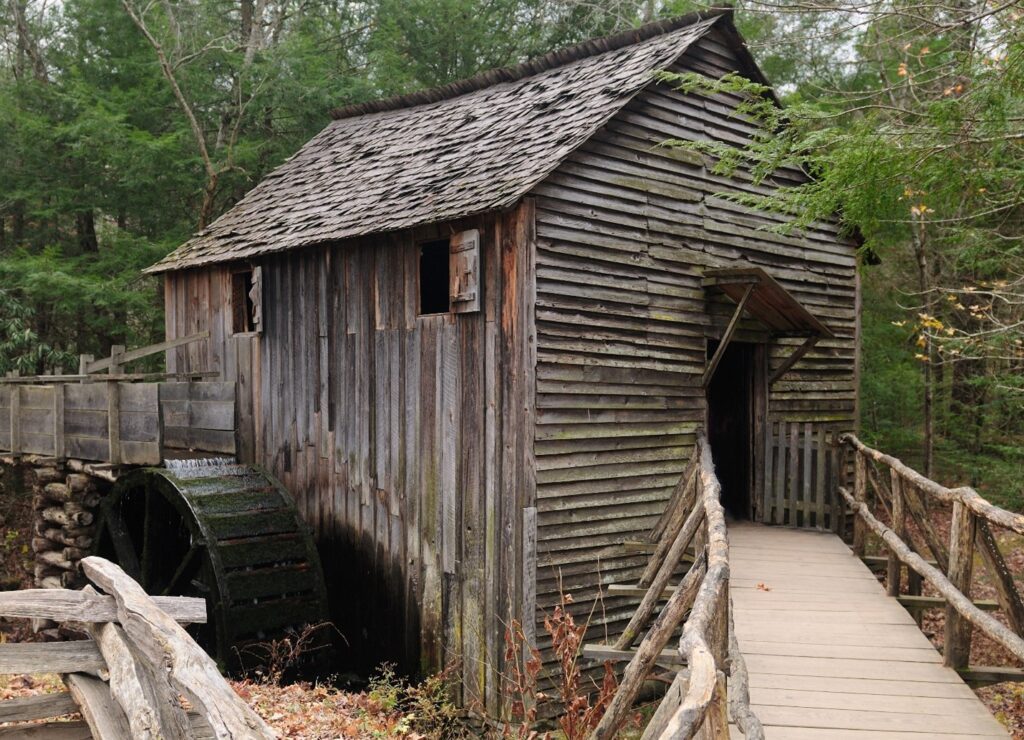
point(730, 397)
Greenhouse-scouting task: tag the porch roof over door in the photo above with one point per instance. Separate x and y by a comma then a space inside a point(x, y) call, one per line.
point(768, 302)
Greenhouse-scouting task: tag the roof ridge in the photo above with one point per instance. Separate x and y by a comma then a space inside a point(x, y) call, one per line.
point(543, 63)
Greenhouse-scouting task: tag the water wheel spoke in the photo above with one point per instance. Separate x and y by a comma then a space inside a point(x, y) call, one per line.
point(146, 566)
point(187, 565)
point(122, 542)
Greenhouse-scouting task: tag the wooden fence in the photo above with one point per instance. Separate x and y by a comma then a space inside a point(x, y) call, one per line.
point(802, 469)
point(126, 682)
point(699, 700)
point(114, 421)
point(884, 483)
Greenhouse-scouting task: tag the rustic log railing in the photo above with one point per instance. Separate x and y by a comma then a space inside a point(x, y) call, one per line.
point(698, 699)
point(127, 680)
point(949, 569)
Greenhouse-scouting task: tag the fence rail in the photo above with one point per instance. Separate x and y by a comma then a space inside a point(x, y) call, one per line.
point(905, 499)
point(700, 697)
point(127, 680)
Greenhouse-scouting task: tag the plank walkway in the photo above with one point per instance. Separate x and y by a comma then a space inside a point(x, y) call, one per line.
point(830, 656)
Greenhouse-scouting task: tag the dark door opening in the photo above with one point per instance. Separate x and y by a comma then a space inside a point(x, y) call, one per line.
point(730, 398)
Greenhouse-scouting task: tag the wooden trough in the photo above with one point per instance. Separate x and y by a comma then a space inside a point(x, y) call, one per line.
point(115, 421)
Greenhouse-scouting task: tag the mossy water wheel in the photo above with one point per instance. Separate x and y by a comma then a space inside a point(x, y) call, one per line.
point(228, 533)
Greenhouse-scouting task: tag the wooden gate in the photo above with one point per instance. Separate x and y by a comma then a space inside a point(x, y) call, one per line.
point(802, 469)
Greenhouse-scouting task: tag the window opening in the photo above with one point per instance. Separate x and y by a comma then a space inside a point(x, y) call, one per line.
point(242, 307)
point(435, 296)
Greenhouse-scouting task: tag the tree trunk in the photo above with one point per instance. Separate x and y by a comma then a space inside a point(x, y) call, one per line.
point(85, 226)
point(18, 223)
point(925, 286)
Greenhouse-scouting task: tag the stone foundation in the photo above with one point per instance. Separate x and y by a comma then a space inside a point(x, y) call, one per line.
point(65, 505)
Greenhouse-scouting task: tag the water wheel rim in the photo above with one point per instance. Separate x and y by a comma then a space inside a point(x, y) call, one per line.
point(154, 481)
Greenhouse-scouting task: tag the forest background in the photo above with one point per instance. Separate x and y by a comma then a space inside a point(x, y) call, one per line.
point(125, 125)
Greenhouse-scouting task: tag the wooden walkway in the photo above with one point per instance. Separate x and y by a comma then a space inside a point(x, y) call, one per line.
point(830, 656)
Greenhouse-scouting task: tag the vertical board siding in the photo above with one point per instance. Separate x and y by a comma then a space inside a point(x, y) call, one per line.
point(625, 230)
point(405, 440)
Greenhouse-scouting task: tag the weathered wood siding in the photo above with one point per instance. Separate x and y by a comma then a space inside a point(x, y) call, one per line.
point(201, 300)
point(625, 230)
point(405, 439)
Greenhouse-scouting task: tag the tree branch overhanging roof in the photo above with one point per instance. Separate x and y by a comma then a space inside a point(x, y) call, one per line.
point(462, 149)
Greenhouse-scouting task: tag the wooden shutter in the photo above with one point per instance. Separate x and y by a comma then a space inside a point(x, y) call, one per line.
point(464, 271)
point(256, 296)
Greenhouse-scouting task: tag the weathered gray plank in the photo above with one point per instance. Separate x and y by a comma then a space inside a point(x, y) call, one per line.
point(104, 716)
point(63, 605)
point(51, 657)
point(42, 706)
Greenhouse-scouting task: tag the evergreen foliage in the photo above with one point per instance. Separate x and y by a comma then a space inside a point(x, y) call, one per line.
point(126, 124)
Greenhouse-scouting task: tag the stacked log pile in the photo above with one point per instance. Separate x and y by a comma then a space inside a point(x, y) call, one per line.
point(65, 505)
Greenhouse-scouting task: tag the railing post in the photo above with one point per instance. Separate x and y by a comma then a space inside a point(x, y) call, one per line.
point(116, 351)
point(716, 721)
point(860, 494)
point(957, 651)
point(894, 567)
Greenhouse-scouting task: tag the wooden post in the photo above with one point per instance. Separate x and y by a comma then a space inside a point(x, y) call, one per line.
point(957, 651)
point(114, 421)
point(15, 419)
point(83, 364)
point(116, 351)
point(860, 490)
point(716, 722)
point(894, 570)
point(58, 420)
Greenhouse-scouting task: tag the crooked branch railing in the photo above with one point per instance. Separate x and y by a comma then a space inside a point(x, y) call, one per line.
point(949, 571)
point(698, 698)
point(128, 680)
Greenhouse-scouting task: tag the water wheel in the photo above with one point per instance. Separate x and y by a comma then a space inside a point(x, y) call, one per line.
point(228, 533)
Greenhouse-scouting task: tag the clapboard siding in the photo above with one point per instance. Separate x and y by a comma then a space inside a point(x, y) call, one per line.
point(406, 441)
point(625, 231)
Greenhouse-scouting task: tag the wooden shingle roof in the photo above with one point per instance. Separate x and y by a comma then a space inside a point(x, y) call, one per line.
point(463, 149)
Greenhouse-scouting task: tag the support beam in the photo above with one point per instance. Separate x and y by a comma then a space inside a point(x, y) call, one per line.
point(727, 336)
point(794, 358)
point(87, 365)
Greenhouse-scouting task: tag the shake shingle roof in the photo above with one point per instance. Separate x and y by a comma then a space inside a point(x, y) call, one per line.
point(469, 147)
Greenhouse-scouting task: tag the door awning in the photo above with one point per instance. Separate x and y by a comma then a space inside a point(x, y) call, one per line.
point(757, 293)
point(768, 302)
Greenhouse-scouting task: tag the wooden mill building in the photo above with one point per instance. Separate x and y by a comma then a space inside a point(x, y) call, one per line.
point(475, 329)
